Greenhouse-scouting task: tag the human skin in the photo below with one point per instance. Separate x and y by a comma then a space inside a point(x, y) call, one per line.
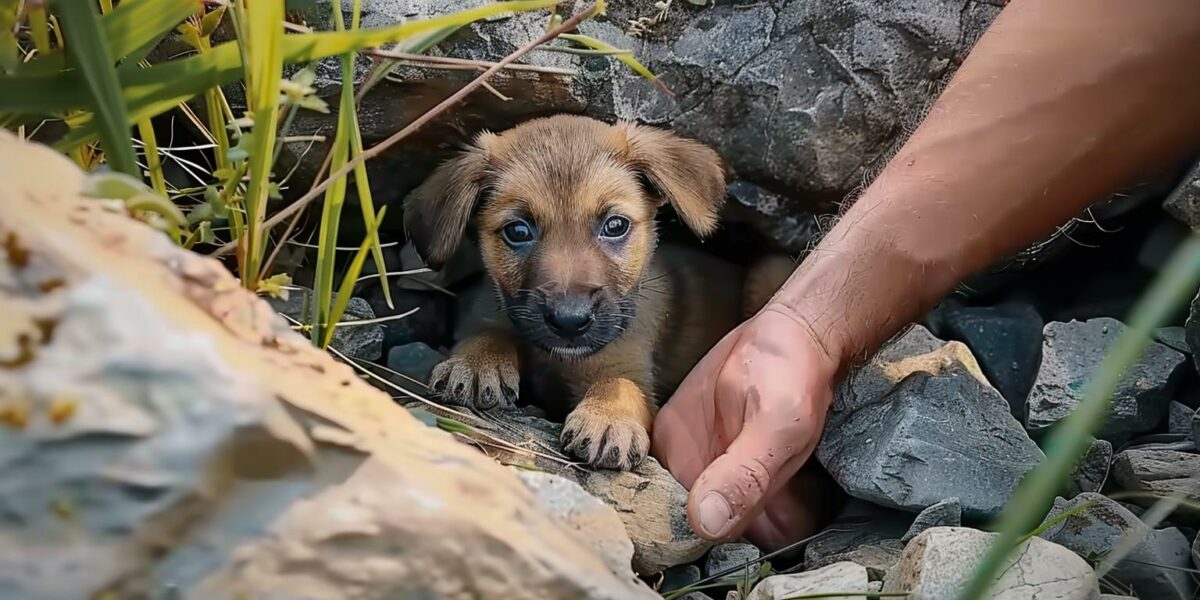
point(1059, 104)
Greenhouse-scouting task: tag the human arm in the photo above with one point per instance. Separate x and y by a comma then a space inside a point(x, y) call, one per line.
point(1058, 104)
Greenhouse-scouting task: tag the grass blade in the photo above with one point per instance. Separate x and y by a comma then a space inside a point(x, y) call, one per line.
point(1069, 440)
point(347, 287)
point(39, 28)
point(91, 56)
point(624, 56)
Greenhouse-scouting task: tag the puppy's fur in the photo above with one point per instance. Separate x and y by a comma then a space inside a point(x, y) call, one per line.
point(589, 318)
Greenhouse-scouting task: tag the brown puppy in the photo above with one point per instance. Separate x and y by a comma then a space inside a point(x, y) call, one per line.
point(588, 317)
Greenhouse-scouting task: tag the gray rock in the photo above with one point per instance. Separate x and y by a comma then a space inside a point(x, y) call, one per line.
point(594, 522)
point(415, 360)
point(947, 513)
point(937, 564)
point(1179, 418)
point(863, 534)
point(791, 229)
point(677, 578)
point(359, 341)
point(1006, 339)
point(1192, 331)
point(1092, 470)
point(934, 436)
point(1151, 568)
point(1196, 552)
point(1070, 356)
point(1183, 203)
point(1174, 338)
point(1159, 472)
point(729, 556)
point(838, 577)
point(1117, 597)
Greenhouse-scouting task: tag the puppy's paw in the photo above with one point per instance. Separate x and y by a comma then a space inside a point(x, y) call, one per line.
point(481, 374)
point(610, 428)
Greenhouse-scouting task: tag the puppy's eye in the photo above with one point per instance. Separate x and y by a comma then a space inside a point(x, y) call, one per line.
point(615, 227)
point(517, 233)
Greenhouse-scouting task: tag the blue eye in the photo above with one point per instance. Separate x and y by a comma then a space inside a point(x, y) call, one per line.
point(517, 233)
point(615, 228)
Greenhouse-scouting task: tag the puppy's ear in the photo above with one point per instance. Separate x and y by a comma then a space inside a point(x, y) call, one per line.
point(684, 172)
point(437, 212)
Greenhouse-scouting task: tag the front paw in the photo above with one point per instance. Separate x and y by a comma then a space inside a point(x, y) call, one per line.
point(477, 378)
point(610, 429)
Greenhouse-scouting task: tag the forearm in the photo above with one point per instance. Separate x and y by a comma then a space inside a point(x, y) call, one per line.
point(1060, 103)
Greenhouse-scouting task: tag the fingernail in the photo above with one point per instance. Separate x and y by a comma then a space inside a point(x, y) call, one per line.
point(715, 516)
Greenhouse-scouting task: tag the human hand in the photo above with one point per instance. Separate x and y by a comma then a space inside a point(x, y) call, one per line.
point(742, 424)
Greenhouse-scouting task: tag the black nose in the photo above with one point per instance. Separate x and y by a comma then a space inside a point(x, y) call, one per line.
point(570, 316)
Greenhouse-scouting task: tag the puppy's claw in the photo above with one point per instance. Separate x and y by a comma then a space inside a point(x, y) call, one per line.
point(605, 441)
point(474, 380)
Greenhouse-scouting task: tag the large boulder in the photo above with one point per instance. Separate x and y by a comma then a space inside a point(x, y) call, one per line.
point(799, 96)
point(920, 424)
point(167, 434)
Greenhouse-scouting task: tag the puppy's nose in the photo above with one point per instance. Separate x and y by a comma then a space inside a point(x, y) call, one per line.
point(570, 316)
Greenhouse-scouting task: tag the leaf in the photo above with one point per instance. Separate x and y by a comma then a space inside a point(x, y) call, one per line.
point(210, 21)
point(347, 288)
point(91, 57)
point(274, 285)
point(133, 192)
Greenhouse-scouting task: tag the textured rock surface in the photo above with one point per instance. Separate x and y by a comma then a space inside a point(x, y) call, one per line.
point(1160, 472)
point(677, 578)
point(934, 436)
point(838, 577)
point(936, 565)
point(1092, 470)
point(1006, 339)
point(799, 95)
point(360, 341)
point(415, 360)
point(863, 534)
point(947, 513)
point(1070, 356)
point(729, 556)
point(791, 229)
point(1179, 418)
point(1184, 201)
point(1151, 568)
point(165, 429)
point(650, 502)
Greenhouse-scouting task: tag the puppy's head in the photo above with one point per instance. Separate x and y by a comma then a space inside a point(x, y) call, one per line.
point(564, 209)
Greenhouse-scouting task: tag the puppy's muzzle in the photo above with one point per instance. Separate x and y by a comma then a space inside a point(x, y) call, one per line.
point(569, 315)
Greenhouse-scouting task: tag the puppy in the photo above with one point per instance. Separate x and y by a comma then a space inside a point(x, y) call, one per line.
point(588, 317)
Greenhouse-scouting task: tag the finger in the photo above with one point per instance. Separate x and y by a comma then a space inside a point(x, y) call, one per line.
point(731, 492)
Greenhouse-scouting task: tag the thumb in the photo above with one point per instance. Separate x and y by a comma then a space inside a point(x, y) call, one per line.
point(732, 491)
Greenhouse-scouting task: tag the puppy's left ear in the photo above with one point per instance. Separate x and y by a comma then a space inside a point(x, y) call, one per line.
point(684, 172)
point(436, 212)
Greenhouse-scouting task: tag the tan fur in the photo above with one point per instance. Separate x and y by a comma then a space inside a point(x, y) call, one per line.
point(567, 175)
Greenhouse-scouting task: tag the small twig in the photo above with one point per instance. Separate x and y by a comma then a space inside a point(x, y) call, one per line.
point(586, 51)
point(496, 92)
point(421, 121)
point(427, 60)
point(396, 273)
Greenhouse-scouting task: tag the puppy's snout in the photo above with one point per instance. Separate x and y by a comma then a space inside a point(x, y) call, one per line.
point(571, 315)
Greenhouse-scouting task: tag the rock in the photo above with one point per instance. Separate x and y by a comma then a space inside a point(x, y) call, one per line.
point(947, 513)
point(863, 534)
point(791, 230)
point(649, 500)
point(1151, 568)
point(937, 564)
point(1159, 472)
point(1192, 331)
point(1070, 356)
point(1092, 470)
point(1117, 597)
point(875, 586)
point(724, 557)
point(415, 360)
point(594, 522)
point(1174, 338)
point(1006, 339)
point(798, 95)
point(838, 577)
point(1183, 203)
point(1196, 552)
point(1179, 418)
point(429, 319)
point(359, 341)
point(677, 578)
point(941, 432)
point(169, 435)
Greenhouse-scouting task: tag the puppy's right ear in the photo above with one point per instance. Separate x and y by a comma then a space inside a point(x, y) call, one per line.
point(437, 212)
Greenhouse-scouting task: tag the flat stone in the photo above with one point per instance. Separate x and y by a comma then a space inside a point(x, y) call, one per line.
point(1151, 568)
point(1174, 338)
point(1071, 354)
point(677, 578)
point(947, 513)
point(724, 557)
point(1092, 470)
point(1006, 339)
point(838, 577)
point(863, 534)
point(1179, 418)
point(415, 360)
point(937, 564)
point(360, 341)
point(1160, 472)
point(920, 424)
